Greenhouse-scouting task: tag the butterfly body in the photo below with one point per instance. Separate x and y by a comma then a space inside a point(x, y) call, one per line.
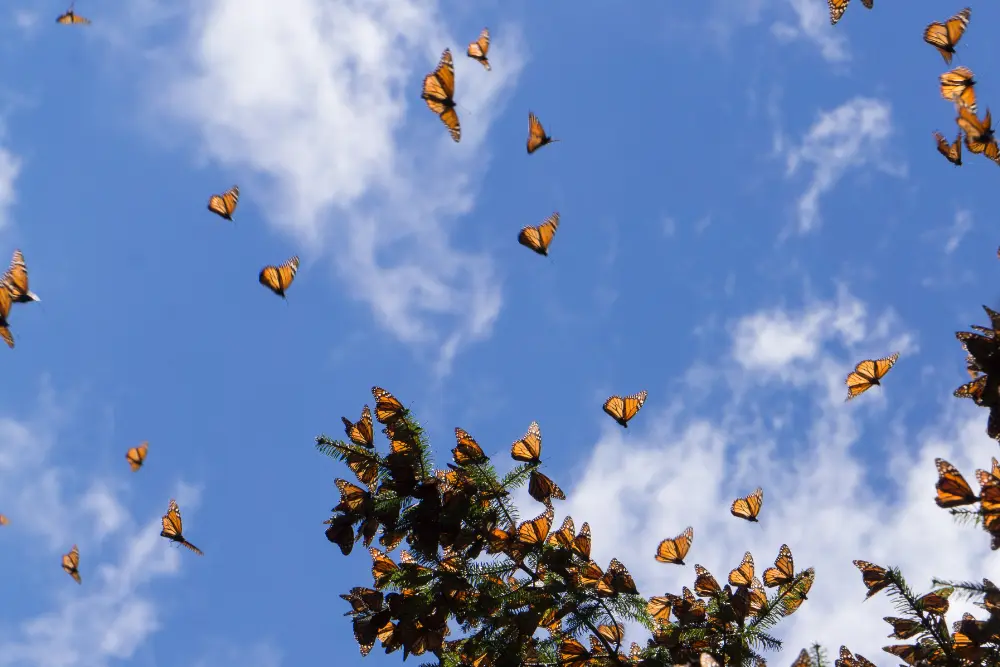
point(538, 238)
point(173, 528)
point(944, 36)
point(70, 18)
point(622, 410)
point(867, 374)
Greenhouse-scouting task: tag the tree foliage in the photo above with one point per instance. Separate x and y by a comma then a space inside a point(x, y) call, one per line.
point(479, 586)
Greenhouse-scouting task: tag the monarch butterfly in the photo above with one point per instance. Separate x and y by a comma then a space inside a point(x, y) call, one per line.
point(173, 527)
point(383, 567)
point(352, 497)
point(478, 49)
point(529, 447)
point(136, 456)
point(848, 659)
point(903, 628)
point(467, 451)
point(748, 507)
point(945, 36)
point(225, 204)
point(538, 238)
point(874, 577)
point(3, 520)
point(5, 303)
point(542, 489)
point(978, 134)
point(838, 7)
point(622, 410)
point(952, 152)
point(71, 17)
point(868, 373)
point(536, 530)
point(804, 659)
point(361, 432)
point(952, 489)
point(16, 280)
point(617, 580)
point(958, 86)
point(71, 563)
point(800, 592)
point(536, 134)
point(388, 409)
point(935, 602)
point(705, 585)
point(439, 92)
point(572, 652)
point(783, 571)
point(673, 550)
point(279, 278)
point(743, 574)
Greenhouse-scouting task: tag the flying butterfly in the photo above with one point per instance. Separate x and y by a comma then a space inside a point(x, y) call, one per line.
point(361, 432)
point(622, 410)
point(958, 86)
point(71, 563)
point(673, 550)
point(951, 152)
point(944, 36)
point(136, 456)
point(4, 520)
point(952, 489)
point(71, 17)
point(439, 92)
point(225, 204)
point(279, 278)
point(748, 507)
point(16, 280)
point(538, 238)
point(529, 447)
point(978, 134)
point(874, 576)
point(783, 571)
point(536, 134)
point(743, 574)
point(478, 49)
point(173, 527)
point(867, 374)
point(838, 7)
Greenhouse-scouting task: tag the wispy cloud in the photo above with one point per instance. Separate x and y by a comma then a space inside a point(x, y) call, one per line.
point(959, 228)
point(812, 454)
point(813, 24)
point(301, 93)
point(10, 169)
point(852, 135)
point(50, 509)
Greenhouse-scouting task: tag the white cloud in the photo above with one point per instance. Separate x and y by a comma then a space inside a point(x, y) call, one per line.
point(315, 108)
point(814, 25)
point(256, 654)
point(841, 140)
point(959, 228)
point(814, 457)
point(10, 169)
point(51, 508)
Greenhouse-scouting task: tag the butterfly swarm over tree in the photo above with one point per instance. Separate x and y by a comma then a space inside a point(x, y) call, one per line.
point(478, 585)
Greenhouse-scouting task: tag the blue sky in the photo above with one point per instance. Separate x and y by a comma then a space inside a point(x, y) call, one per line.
point(751, 202)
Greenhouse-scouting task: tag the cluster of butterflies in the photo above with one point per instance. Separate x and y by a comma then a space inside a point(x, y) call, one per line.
point(958, 87)
point(439, 94)
point(967, 636)
point(173, 526)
